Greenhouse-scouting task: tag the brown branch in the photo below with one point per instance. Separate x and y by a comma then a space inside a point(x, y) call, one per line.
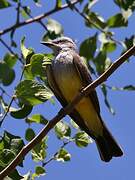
point(64, 111)
point(37, 18)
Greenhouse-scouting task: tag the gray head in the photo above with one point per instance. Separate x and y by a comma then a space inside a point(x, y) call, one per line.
point(60, 43)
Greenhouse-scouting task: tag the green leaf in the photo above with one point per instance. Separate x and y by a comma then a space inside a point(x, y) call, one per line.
point(1, 145)
point(129, 88)
point(103, 38)
point(62, 130)
point(108, 62)
point(129, 42)
point(24, 50)
point(25, 11)
point(32, 93)
point(29, 134)
point(109, 47)
point(40, 170)
point(10, 59)
point(74, 125)
point(7, 75)
point(22, 112)
point(16, 145)
point(27, 53)
point(10, 147)
point(54, 28)
point(27, 73)
point(125, 88)
point(6, 156)
point(82, 139)
point(94, 18)
point(38, 156)
point(99, 62)
point(15, 175)
point(4, 4)
point(39, 151)
point(88, 6)
point(104, 90)
point(13, 142)
point(88, 47)
point(63, 155)
point(117, 21)
point(58, 3)
point(36, 65)
point(125, 4)
point(37, 118)
point(47, 60)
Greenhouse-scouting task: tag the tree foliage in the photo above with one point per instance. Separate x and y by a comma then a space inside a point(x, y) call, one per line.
point(32, 88)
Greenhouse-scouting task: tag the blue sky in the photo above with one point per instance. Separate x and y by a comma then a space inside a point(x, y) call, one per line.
point(85, 163)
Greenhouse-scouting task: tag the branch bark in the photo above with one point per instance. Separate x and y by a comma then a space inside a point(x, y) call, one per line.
point(64, 111)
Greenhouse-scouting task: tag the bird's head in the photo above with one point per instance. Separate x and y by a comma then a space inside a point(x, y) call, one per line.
point(59, 44)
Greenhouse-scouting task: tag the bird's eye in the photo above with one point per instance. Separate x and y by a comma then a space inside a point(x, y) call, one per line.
point(60, 41)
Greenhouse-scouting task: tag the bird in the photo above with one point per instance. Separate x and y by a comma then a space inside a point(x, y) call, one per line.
point(67, 75)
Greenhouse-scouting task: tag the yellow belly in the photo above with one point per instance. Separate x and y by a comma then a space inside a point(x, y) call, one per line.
point(70, 83)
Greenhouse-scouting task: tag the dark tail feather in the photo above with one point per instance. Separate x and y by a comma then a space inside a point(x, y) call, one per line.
point(107, 146)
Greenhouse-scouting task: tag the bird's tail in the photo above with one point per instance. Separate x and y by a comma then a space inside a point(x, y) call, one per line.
point(107, 146)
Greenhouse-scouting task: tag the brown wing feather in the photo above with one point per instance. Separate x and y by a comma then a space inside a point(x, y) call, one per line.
point(86, 79)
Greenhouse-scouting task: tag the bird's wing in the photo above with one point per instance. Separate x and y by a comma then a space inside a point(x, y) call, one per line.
point(86, 79)
point(55, 88)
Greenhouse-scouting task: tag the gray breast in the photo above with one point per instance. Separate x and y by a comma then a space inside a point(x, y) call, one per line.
point(63, 64)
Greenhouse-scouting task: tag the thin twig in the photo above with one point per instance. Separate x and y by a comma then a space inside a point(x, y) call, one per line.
point(18, 12)
point(7, 110)
point(11, 101)
point(22, 73)
point(10, 50)
point(5, 44)
point(37, 18)
point(55, 154)
point(64, 111)
point(4, 92)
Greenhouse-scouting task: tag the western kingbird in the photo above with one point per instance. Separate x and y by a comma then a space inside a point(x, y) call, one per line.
point(67, 75)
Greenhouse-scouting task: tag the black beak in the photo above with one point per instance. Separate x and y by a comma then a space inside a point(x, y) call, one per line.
point(48, 44)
